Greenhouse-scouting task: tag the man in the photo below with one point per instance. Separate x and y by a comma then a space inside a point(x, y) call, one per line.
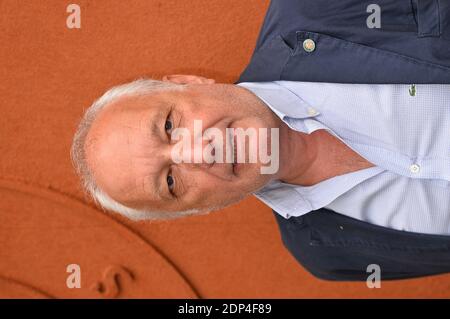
point(364, 139)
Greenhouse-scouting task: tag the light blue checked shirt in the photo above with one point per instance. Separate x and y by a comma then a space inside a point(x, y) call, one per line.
point(403, 130)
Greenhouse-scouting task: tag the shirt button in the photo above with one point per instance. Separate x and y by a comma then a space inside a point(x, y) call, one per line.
point(309, 45)
point(414, 168)
point(312, 111)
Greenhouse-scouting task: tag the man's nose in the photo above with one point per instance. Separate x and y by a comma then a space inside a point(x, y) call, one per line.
point(200, 154)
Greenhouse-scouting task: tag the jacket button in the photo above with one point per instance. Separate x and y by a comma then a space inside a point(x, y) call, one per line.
point(309, 45)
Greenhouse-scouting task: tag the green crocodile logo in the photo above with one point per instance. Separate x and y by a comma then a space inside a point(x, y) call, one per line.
point(412, 90)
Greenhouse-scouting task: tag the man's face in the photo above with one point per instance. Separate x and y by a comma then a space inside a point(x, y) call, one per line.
point(130, 151)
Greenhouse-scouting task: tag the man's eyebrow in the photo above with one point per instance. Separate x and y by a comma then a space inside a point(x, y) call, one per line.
point(156, 129)
point(157, 125)
point(157, 190)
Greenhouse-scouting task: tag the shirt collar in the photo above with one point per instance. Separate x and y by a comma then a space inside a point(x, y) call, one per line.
point(295, 200)
point(282, 101)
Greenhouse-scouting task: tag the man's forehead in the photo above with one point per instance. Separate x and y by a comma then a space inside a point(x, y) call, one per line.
point(131, 105)
point(112, 144)
point(125, 113)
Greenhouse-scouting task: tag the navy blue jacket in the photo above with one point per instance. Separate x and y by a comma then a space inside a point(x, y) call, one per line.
point(412, 46)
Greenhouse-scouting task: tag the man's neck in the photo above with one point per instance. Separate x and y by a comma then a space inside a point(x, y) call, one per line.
point(307, 159)
point(298, 152)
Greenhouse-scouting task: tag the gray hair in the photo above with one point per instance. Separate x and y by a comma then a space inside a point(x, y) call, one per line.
point(78, 155)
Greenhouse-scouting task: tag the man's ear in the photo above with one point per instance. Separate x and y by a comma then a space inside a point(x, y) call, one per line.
point(187, 79)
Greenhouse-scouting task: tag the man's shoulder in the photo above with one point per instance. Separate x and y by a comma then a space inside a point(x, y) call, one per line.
point(343, 49)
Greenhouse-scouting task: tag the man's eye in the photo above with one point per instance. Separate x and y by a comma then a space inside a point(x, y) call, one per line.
point(168, 126)
point(170, 182)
